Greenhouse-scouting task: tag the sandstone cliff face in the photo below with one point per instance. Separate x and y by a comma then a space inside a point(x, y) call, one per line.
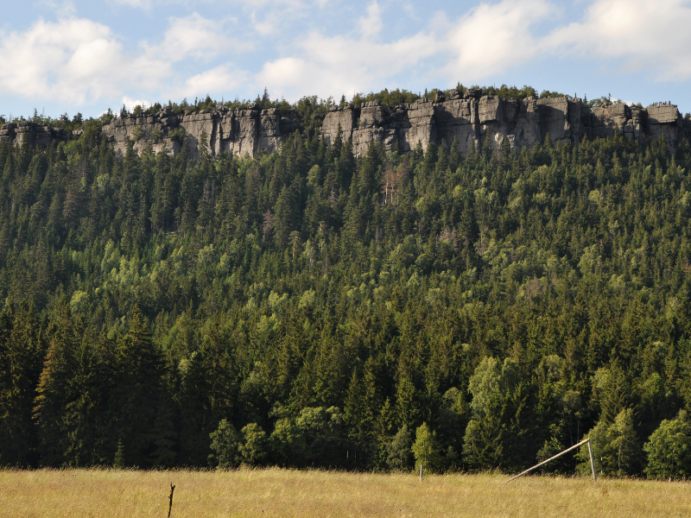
point(471, 120)
point(31, 133)
point(221, 130)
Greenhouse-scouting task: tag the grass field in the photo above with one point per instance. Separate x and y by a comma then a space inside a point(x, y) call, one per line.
point(274, 492)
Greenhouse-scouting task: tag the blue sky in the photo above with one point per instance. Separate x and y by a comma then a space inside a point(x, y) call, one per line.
point(67, 56)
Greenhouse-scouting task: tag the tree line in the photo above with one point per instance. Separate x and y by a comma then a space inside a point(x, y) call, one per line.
point(310, 308)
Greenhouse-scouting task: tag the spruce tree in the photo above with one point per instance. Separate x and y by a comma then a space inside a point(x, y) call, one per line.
point(139, 394)
point(60, 403)
point(21, 353)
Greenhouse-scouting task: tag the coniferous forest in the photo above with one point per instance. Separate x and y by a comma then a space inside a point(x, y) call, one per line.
point(310, 308)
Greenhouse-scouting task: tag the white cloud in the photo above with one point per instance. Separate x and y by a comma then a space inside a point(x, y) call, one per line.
point(648, 35)
point(487, 41)
point(218, 80)
point(71, 61)
point(198, 37)
point(253, 4)
point(371, 25)
point(295, 4)
point(75, 61)
point(331, 65)
point(334, 65)
point(493, 37)
point(131, 103)
point(266, 26)
point(61, 8)
point(140, 4)
point(270, 17)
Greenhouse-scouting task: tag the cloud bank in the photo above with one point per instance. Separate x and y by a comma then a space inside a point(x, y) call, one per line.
point(75, 60)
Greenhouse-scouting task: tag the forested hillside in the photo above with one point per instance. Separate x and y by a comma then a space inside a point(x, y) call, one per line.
point(307, 308)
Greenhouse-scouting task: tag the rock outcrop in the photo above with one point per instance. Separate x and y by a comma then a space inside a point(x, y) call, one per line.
point(474, 118)
point(471, 120)
point(239, 131)
point(31, 133)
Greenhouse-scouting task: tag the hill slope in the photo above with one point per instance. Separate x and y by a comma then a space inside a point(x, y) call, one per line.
point(511, 301)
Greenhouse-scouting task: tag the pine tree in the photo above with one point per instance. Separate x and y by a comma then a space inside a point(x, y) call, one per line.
point(208, 395)
point(21, 351)
point(491, 431)
point(407, 409)
point(399, 453)
point(119, 459)
point(355, 412)
point(138, 394)
point(58, 403)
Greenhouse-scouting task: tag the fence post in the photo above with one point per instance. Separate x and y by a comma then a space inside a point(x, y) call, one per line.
point(592, 461)
point(170, 506)
point(422, 468)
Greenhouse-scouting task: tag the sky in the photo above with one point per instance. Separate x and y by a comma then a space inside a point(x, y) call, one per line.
point(69, 56)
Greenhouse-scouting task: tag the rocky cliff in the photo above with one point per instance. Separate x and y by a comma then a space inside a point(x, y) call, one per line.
point(221, 129)
point(31, 133)
point(473, 118)
point(469, 119)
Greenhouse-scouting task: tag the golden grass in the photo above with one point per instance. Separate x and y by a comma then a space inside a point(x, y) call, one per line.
point(274, 492)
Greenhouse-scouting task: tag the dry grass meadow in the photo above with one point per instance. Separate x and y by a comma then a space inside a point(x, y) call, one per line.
point(274, 492)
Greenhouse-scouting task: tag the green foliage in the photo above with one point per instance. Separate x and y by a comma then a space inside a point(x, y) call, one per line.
point(177, 135)
point(546, 94)
point(287, 443)
point(615, 447)
point(492, 433)
point(511, 91)
point(137, 133)
point(119, 460)
point(509, 300)
point(601, 101)
point(224, 444)
point(254, 446)
point(387, 98)
point(323, 431)
point(155, 134)
point(22, 348)
point(669, 449)
point(399, 453)
point(426, 449)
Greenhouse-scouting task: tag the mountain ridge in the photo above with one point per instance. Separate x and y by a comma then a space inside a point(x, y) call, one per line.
point(469, 118)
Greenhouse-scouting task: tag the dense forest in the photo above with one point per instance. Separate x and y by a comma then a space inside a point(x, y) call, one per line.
point(309, 308)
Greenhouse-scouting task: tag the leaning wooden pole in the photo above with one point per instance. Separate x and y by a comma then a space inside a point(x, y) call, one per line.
point(554, 457)
point(592, 461)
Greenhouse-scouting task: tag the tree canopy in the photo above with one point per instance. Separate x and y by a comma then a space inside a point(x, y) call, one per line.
point(311, 308)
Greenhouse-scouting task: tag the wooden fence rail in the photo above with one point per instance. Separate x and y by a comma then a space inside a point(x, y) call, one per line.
point(590, 451)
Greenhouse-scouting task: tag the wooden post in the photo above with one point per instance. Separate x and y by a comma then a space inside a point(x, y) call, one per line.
point(592, 461)
point(422, 468)
point(170, 506)
point(550, 459)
